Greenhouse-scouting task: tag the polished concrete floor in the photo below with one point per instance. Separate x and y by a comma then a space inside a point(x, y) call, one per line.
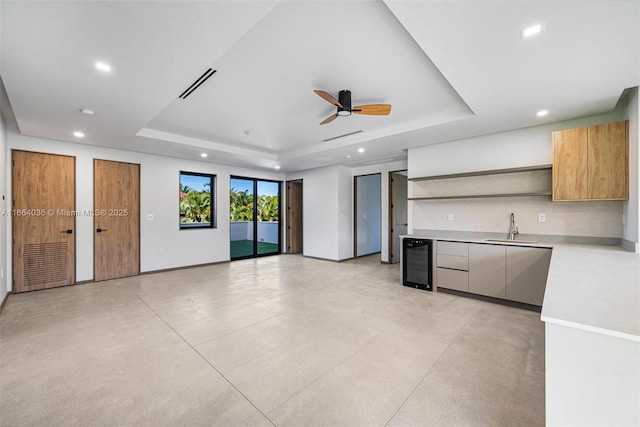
point(281, 340)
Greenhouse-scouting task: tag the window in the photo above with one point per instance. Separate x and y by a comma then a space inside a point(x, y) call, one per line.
point(197, 201)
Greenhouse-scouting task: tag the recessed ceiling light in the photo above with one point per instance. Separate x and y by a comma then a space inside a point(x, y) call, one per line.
point(530, 31)
point(360, 150)
point(277, 166)
point(247, 132)
point(103, 66)
point(78, 134)
point(348, 156)
point(87, 112)
point(542, 113)
point(203, 155)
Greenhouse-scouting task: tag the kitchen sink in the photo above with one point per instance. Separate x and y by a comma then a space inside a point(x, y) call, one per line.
point(508, 241)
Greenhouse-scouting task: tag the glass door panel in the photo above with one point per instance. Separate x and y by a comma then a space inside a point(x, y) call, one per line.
point(254, 209)
point(268, 217)
point(241, 210)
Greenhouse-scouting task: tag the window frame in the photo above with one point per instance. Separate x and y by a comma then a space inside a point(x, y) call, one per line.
point(212, 202)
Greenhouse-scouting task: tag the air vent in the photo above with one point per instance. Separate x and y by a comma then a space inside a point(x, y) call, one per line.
point(341, 136)
point(203, 78)
point(45, 263)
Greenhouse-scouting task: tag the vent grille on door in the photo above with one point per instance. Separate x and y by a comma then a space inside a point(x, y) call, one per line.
point(45, 263)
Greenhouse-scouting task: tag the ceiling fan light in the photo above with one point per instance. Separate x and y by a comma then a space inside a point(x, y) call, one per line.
point(344, 112)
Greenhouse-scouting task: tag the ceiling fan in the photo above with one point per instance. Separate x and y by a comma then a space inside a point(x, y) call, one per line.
point(343, 103)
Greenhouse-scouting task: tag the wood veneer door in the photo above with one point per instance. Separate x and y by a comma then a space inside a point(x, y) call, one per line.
point(116, 220)
point(294, 217)
point(43, 223)
point(398, 214)
point(570, 164)
point(608, 161)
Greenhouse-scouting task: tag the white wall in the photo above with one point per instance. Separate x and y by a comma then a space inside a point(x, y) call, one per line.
point(368, 212)
point(328, 208)
point(384, 170)
point(162, 244)
point(4, 259)
point(517, 148)
point(319, 211)
point(632, 207)
point(345, 213)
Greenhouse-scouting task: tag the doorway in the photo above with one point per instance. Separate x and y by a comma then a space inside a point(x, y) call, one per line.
point(367, 215)
point(254, 209)
point(116, 219)
point(294, 217)
point(397, 213)
point(43, 220)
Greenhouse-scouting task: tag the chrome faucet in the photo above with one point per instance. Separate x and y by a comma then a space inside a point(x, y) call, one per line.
point(513, 230)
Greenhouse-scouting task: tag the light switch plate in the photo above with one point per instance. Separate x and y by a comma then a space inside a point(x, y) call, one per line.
point(149, 217)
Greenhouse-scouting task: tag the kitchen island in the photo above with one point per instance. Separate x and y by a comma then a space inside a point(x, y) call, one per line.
point(591, 310)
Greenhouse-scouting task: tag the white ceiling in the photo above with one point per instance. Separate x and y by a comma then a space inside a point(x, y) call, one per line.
point(451, 69)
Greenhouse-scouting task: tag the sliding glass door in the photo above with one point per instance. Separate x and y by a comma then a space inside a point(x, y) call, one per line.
point(255, 217)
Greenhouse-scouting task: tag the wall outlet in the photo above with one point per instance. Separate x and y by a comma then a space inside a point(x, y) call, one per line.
point(149, 217)
point(449, 217)
point(542, 217)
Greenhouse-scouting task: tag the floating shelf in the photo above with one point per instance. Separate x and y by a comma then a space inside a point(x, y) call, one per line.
point(481, 173)
point(484, 196)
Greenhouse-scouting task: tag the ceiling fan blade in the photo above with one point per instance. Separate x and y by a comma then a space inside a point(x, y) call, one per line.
point(329, 119)
point(330, 99)
point(372, 109)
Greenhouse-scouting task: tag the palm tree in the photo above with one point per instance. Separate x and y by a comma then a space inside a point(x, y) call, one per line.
point(268, 208)
point(195, 207)
point(241, 205)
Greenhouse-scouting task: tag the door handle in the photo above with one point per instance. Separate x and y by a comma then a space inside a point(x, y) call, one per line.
point(67, 231)
point(100, 230)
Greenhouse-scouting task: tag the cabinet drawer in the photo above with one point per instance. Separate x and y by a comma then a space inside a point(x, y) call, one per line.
point(453, 248)
point(452, 261)
point(452, 279)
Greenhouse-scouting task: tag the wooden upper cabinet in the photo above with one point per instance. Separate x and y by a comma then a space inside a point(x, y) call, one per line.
point(591, 163)
point(570, 164)
point(609, 161)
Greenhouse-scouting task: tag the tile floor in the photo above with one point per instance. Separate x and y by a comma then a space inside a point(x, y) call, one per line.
point(283, 340)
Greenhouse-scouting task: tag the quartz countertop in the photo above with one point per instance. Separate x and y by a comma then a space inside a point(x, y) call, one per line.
point(589, 287)
point(595, 288)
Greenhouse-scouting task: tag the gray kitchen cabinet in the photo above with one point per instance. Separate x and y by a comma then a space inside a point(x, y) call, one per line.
point(487, 270)
point(527, 270)
point(452, 265)
point(452, 279)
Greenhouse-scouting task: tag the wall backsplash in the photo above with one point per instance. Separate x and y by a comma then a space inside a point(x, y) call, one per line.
point(598, 219)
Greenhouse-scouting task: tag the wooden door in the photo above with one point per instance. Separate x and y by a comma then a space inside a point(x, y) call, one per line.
point(397, 213)
point(608, 161)
point(43, 223)
point(570, 164)
point(116, 219)
point(294, 217)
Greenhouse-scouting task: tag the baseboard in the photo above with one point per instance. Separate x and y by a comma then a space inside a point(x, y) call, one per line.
point(500, 301)
point(4, 301)
point(325, 259)
point(629, 245)
point(184, 267)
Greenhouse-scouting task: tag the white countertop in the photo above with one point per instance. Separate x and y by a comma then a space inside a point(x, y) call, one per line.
point(594, 288)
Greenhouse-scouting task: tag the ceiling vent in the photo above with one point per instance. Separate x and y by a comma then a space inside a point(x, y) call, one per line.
point(203, 78)
point(341, 136)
